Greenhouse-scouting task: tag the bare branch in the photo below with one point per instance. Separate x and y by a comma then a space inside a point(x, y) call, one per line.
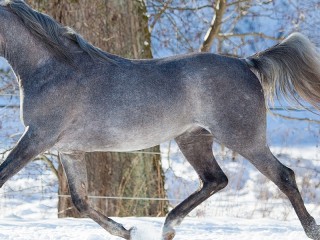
point(295, 118)
point(159, 14)
point(178, 30)
point(214, 29)
point(49, 163)
point(237, 2)
point(189, 8)
point(6, 151)
point(252, 34)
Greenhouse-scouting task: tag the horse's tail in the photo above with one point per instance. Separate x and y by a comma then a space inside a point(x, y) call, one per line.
point(290, 69)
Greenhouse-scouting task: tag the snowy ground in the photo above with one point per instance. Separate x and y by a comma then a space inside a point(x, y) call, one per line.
point(221, 228)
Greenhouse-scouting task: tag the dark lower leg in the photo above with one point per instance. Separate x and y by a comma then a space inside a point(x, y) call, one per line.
point(284, 178)
point(176, 216)
point(289, 187)
point(197, 148)
point(108, 224)
point(75, 169)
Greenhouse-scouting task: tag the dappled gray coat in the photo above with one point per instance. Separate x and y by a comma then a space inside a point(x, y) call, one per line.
point(77, 98)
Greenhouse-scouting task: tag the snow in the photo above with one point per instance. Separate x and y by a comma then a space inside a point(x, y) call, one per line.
point(220, 228)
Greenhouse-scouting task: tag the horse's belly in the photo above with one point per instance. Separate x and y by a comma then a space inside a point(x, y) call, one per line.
point(116, 140)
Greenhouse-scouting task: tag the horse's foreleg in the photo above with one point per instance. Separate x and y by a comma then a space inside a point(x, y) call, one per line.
point(284, 178)
point(197, 148)
point(28, 147)
point(76, 173)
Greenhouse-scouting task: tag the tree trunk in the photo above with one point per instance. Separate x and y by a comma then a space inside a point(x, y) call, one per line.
point(119, 27)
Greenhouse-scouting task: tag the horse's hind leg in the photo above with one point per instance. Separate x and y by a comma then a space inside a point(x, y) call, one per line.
point(284, 178)
point(197, 148)
point(76, 173)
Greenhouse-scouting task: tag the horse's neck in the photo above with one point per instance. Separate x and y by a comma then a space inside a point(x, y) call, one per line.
point(25, 57)
point(24, 51)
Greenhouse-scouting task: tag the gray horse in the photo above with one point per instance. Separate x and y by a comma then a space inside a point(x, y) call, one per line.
point(76, 98)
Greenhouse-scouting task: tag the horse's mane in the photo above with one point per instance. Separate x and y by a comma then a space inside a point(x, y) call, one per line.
point(52, 33)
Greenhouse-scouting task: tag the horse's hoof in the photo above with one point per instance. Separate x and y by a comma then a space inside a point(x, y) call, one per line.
point(168, 235)
point(313, 232)
point(132, 232)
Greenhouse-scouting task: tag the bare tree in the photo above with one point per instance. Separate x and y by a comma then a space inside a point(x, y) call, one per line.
point(233, 27)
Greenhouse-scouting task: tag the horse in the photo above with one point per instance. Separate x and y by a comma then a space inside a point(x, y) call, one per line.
point(76, 98)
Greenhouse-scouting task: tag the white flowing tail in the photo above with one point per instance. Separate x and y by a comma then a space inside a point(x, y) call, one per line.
point(290, 69)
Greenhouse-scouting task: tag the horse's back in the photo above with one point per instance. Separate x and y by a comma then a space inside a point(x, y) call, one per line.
point(143, 103)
